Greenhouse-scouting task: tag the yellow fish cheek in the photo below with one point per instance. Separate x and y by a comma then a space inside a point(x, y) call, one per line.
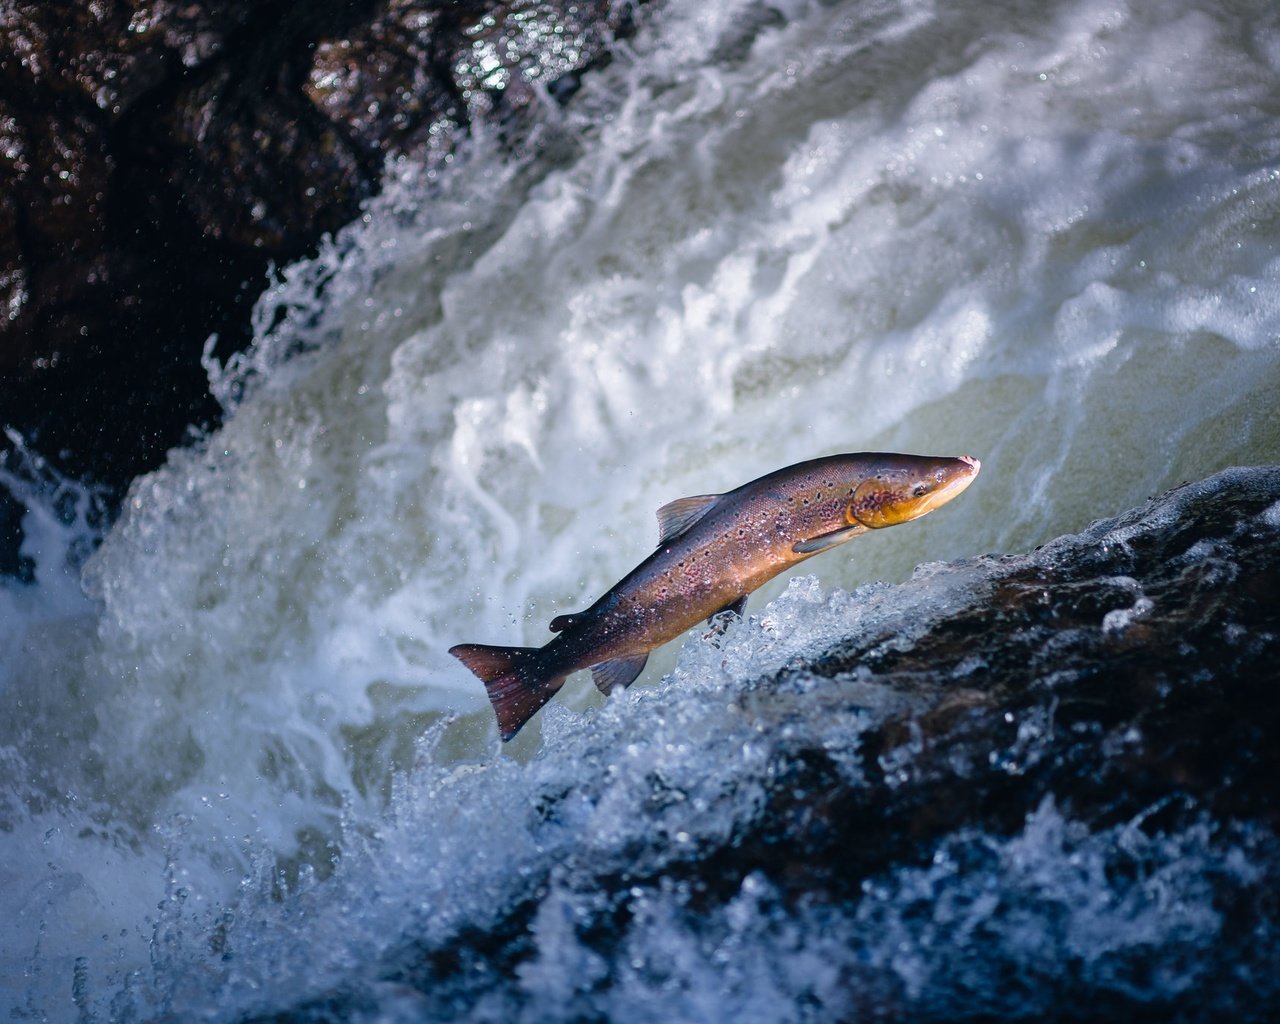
point(882, 501)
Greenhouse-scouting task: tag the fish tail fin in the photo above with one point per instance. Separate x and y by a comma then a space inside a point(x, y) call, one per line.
point(515, 678)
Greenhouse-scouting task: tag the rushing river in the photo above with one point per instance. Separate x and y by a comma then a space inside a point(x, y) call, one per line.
point(1047, 235)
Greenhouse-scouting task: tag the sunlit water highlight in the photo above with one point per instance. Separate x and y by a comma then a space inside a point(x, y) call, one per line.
point(1044, 236)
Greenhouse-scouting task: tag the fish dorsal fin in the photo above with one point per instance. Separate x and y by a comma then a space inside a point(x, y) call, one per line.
point(617, 674)
point(677, 516)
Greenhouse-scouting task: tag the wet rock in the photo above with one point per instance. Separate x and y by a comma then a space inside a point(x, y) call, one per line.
point(1128, 671)
point(1036, 787)
point(155, 157)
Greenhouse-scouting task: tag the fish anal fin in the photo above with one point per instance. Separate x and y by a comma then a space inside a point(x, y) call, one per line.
point(677, 516)
point(737, 607)
point(515, 678)
point(827, 540)
point(617, 674)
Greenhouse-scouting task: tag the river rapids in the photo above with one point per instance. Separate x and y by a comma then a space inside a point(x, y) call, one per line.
point(244, 780)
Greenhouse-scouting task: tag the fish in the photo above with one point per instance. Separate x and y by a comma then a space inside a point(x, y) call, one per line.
point(713, 551)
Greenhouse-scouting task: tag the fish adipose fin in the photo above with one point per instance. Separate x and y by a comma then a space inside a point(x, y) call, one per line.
point(618, 674)
point(828, 540)
point(515, 680)
point(677, 516)
point(562, 622)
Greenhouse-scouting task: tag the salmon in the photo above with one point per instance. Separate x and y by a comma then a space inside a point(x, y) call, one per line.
point(714, 550)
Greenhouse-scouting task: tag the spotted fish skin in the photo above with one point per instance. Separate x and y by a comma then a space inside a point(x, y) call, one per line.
point(714, 550)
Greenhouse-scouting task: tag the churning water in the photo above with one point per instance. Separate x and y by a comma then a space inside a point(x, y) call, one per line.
point(1047, 235)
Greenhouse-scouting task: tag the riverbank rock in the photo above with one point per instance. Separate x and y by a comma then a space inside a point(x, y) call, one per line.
point(1032, 787)
point(156, 157)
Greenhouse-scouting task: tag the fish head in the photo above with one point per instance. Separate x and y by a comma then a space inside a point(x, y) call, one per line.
point(899, 488)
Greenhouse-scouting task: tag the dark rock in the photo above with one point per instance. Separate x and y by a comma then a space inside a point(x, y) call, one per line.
point(1069, 744)
point(155, 157)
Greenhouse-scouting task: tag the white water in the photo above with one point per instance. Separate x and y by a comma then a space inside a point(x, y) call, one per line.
point(1048, 239)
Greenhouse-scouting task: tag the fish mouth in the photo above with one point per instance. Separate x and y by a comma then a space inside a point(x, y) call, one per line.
point(960, 475)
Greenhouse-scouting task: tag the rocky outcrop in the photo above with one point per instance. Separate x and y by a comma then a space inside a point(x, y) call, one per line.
point(1029, 787)
point(156, 155)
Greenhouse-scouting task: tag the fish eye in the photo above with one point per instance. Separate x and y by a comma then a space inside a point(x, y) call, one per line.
point(920, 490)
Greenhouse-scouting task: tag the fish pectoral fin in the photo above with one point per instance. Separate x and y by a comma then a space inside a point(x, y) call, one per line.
point(677, 516)
point(617, 674)
point(737, 607)
point(827, 540)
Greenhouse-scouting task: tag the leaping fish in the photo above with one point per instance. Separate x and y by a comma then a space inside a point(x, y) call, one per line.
point(713, 550)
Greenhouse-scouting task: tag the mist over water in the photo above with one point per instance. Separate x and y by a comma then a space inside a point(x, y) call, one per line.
point(1046, 236)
